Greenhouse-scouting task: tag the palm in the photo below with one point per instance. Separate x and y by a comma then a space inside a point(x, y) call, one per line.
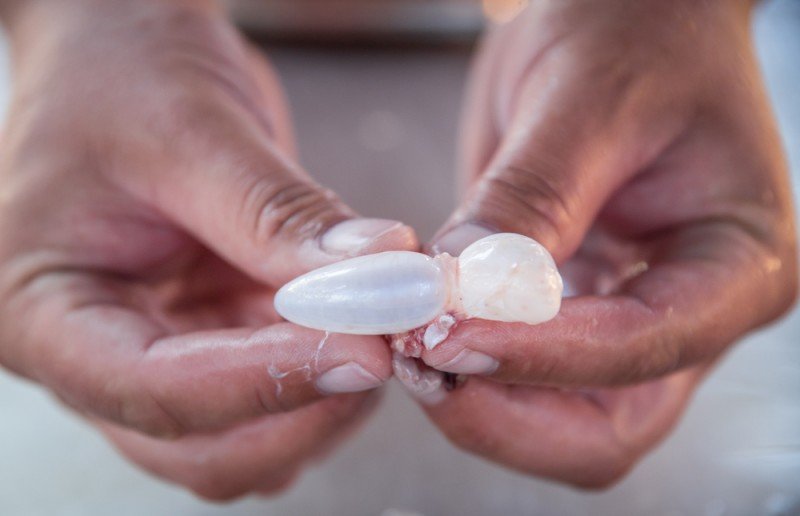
point(201, 291)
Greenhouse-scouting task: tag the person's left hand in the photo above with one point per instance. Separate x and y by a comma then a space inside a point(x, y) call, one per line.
point(641, 152)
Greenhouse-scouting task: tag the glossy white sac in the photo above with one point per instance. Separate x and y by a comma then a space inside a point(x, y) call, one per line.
point(376, 294)
point(503, 277)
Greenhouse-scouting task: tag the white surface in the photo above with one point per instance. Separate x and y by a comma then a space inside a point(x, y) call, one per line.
point(737, 451)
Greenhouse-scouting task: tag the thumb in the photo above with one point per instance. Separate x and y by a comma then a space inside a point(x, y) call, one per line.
point(548, 190)
point(522, 198)
point(552, 165)
point(256, 208)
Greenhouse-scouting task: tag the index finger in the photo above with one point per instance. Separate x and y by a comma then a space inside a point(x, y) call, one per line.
point(714, 284)
point(112, 359)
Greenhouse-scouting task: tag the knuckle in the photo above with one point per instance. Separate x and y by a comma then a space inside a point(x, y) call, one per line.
point(221, 478)
point(212, 93)
point(215, 489)
point(530, 189)
point(208, 474)
point(139, 409)
point(277, 487)
point(602, 469)
point(272, 397)
point(280, 208)
point(471, 436)
point(599, 467)
point(149, 421)
point(199, 109)
point(182, 21)
point(653, 358)
point(600, 480)
point(791, 294)
point(790, 288)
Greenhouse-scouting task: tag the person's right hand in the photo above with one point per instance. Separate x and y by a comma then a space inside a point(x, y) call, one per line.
point(150, 206)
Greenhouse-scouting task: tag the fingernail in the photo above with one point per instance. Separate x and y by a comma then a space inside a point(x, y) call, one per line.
point(503, 11)
point(349, 377)
point(426, 386)
point(470, 362)
point(458, 238)
point(353, 236)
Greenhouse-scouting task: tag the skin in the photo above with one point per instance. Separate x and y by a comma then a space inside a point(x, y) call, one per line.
point(634, 133)
point(138, 261)
point(151, 205)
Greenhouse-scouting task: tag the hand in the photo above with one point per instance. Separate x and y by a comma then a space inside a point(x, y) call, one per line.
point(635, 141)
point(151, 204)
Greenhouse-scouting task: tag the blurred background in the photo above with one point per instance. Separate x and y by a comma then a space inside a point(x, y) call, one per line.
point(385, 119)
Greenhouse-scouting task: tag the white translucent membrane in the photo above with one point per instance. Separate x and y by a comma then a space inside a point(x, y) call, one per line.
point(504, 277)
